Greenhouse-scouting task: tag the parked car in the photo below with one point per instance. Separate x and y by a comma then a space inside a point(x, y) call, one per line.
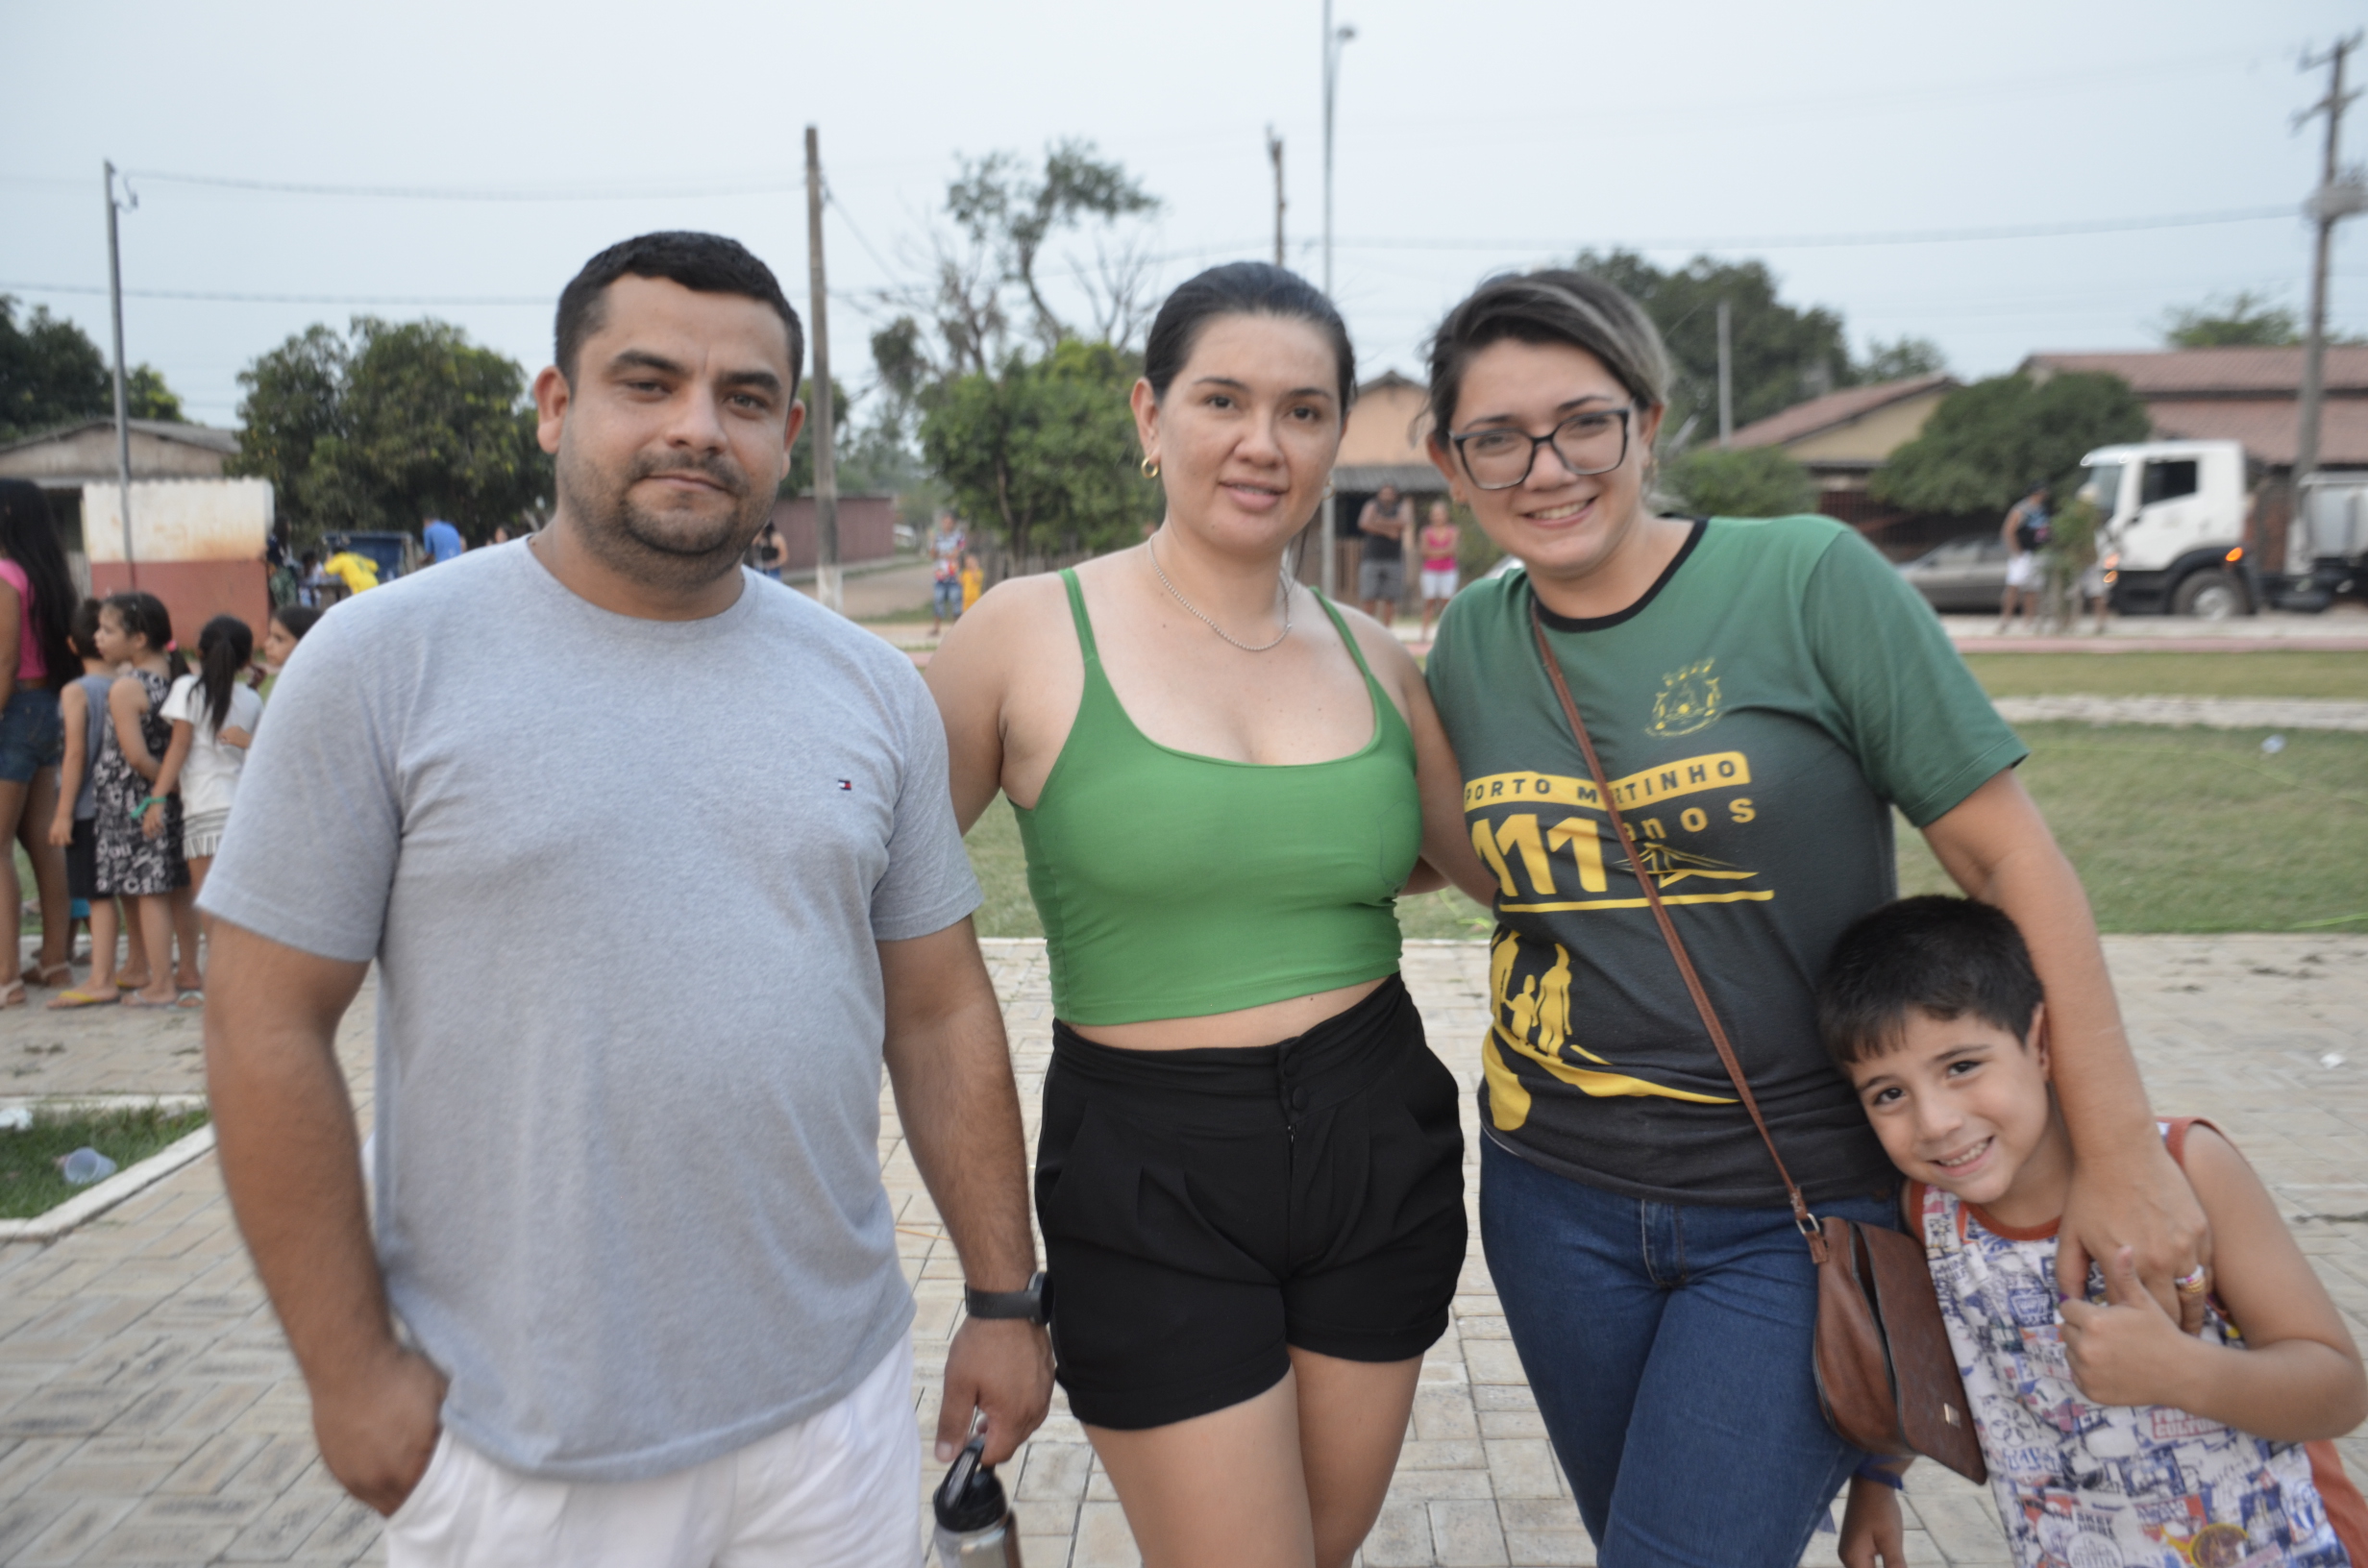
point(1963, 574)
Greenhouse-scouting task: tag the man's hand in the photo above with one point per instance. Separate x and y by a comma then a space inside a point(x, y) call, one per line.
point(2127, 1351)
point(1005, 1367)
point(378, 1428)
point(1871, 1533)
point(2140, 1202)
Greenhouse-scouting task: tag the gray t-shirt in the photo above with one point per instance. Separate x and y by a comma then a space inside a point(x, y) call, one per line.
point(622, 879)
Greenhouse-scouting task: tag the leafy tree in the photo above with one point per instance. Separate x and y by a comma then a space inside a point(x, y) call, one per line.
point(393, 423)
point(1042, 453)
point(1898, 362)
point(50, 374)
point(2245, 320)
point(1743, 482)
point(1987, 442)
point(1781, 355)
point(1009, 213)
point(1030, 438)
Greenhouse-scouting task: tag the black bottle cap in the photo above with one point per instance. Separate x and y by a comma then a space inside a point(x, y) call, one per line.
point(970, 1497)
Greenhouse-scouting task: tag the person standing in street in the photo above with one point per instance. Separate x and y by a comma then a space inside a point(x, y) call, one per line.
point(1381, 570)
point(2025, 532)
point(1439, 541)
point(442, 542)
point(635, 1234)
point(947, 548)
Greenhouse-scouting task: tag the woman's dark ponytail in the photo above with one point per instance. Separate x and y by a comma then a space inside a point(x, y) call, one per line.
point(223, 650)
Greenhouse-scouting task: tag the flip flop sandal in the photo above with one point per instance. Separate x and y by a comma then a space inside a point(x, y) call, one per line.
point(37, 975)
point(191, 998)
point(67, 1001)
point(133, 998)
point(12, 994)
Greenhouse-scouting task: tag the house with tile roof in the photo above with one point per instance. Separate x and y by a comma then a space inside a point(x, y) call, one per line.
point(1842, 438)
point(2251, 396)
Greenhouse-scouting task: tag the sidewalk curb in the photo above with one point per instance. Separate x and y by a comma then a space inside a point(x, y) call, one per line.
point(124, 1184)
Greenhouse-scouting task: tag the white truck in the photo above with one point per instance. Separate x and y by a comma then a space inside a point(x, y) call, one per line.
point(2178, 536)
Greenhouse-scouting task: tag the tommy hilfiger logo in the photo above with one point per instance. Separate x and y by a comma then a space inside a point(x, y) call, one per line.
point(847, 784)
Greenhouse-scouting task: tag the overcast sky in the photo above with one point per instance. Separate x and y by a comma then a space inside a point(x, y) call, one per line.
point(1471, 138)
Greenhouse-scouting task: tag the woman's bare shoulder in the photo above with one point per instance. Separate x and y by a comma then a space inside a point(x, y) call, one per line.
point(1385, 654)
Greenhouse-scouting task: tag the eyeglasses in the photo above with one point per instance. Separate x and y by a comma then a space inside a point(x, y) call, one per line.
point(1593, 442)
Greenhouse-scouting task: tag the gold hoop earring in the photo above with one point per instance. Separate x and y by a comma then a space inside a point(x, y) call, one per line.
point(1150, 467)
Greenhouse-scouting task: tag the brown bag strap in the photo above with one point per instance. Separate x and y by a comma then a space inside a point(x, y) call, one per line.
point(1801, 1216)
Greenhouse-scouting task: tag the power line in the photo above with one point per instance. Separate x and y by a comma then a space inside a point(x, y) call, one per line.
point(761, 186)
point(288, 299)
point(1899, 236)
point(538, 300)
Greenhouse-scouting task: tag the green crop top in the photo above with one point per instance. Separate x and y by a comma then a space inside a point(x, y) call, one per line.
point(1174, 886)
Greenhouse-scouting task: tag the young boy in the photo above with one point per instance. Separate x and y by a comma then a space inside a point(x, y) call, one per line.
point(2111, 1438)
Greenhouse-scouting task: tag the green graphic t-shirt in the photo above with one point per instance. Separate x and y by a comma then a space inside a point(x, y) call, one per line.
point(1758, 712)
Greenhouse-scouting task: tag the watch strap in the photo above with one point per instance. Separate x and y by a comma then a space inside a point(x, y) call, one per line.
point(1034, 1303)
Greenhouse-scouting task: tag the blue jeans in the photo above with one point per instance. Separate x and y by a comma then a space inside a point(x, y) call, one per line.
point(1668, 1347)
point(31, 734)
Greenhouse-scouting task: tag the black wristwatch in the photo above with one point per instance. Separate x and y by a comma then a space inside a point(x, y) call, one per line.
point(1034, 1303)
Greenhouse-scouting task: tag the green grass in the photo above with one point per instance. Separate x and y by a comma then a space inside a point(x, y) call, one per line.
point(30, 1181)
point(1001, 866)
point(2281, 673)
point(2197, 830)
point(2171, 830)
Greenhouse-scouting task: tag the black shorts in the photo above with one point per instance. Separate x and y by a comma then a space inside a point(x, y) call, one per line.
point(81, 860)
point(1202, 1209)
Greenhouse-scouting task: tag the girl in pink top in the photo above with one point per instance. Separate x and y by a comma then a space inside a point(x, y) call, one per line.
point(37, 598)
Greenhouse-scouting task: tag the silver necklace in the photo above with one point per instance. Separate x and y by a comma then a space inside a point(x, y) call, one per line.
point(1284, 579)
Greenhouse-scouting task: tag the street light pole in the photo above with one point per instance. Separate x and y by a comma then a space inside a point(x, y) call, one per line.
point(2335, 200)
point(826, 580)
point(1275, 150)
point(1334, 37)
point(123, 425)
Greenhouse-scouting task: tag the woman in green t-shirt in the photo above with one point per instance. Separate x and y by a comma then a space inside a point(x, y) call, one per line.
point(1762, 694)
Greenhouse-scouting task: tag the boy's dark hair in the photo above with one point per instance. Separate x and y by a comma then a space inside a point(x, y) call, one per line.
point(1945, 957)
point(84, 631)
point(703, 263)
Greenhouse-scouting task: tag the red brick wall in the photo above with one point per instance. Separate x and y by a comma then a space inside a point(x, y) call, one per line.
point(867, 530)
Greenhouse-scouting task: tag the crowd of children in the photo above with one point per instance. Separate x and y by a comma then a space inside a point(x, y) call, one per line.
point(149, 776)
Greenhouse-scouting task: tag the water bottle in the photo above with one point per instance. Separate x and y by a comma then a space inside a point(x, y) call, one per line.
point(975, 1526)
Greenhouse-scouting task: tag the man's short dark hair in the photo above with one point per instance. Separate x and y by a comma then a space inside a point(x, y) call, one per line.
point(1949, 958)
point(703, 263)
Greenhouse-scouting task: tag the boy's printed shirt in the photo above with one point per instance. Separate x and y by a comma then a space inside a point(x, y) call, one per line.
point(2080, 1485)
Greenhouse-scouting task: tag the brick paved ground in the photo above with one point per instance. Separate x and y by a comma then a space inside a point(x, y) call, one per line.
point(149, 1413)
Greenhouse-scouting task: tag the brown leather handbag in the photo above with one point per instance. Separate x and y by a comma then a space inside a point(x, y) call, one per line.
point(1887, 1377)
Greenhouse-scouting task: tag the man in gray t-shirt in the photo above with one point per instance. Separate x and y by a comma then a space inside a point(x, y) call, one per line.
point(634, 1226)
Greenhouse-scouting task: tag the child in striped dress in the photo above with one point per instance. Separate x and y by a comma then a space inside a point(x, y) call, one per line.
point(2112, 1438)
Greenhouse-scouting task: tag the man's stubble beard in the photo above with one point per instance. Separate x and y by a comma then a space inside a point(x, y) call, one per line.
point(676, 551)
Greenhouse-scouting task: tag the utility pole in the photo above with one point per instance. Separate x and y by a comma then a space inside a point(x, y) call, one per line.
point(1726, 378)
point(2337, 198)
point(1275, 150)
point(1334, 40)
point(826, 463)
point(123, 425)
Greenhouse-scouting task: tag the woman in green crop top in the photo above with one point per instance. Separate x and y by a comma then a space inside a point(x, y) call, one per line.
point(1250, 1177)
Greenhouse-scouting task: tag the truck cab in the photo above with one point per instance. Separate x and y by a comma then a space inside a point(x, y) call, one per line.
point(2173, 539)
